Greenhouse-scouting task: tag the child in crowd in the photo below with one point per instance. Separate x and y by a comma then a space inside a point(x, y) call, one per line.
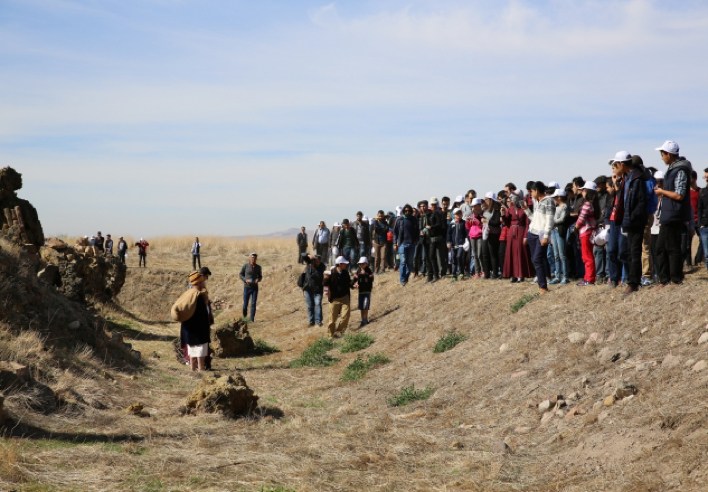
point(363, 280)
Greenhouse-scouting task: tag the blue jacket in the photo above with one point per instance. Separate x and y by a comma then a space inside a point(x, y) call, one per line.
point(406, 230)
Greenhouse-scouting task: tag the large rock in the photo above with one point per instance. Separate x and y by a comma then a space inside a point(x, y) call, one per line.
point(232, 340)
point(19, 221)
point(228, 395)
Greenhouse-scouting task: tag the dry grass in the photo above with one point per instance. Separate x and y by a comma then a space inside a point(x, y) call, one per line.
point(339, 435)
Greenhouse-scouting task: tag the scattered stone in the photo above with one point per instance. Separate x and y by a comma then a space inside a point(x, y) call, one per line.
point(690, 362)
point(624, 389)
point(502, 447)
point(573, 412)
point(670, 361)
point(609, 354)
point(644, 330)
point(594, 338)
point(576, 337)
point(575, 396)
point(644, 366)
point(560, 413)
point(519, 374)
point(138, 410)
point(609, 401)
point(546, 418)
point(457, 445)
point(522, 430)
point(228, 395)
point(545, 406)
point(700, 365)
point(503, 348)
point(703, 338)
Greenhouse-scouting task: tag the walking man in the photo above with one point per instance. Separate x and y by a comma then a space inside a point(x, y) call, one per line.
point(339, 284)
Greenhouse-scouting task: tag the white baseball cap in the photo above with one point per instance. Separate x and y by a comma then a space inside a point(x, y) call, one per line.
point(459, 199)
point(670, 147)
point(622, 156)
point(559, 192)
point(457, 209)
point(434, 200)
point(341, 260)
point(553, 184)
point(476, 201)
point(659, 175)
point(590, 185)
point(491, 195)
point(363, 259)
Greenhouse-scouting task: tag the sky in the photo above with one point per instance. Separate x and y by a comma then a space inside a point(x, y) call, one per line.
point(240, 117)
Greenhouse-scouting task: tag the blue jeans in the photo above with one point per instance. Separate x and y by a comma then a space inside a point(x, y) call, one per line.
point(351, 255)
point(405, 253)
point(313, 301)
point(616, 253)
point(551, 255)
point(250, 293)
point(703, 232)
point(558, 242)
point(600, 254)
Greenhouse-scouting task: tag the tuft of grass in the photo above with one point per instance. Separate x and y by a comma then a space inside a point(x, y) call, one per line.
point(316, 355)
point(262, 347)
point(448, 341)
point(408, 395)
point(524, 300)
point(356, 342)
point(359, 367)
point(275, 488)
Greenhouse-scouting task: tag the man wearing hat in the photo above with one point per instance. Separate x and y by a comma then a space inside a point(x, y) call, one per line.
point(251, 276)
point(194, 331)
point(674, 213)
point(339, 285)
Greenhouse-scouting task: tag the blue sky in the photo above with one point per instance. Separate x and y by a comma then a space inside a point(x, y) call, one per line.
point(161, 117)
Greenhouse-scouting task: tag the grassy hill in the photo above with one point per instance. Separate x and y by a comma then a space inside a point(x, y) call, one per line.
point(621, 379)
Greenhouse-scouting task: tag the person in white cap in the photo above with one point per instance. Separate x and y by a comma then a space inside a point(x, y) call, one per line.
point(456, 240)
point(616, 246)
point(437, 250)
point(364, 281)
point(586, 225)
point(558, 234)
point(339, 285)
point(490, 236)
point(674, 214)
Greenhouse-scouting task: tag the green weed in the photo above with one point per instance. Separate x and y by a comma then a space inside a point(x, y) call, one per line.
point(356, 342)
point(448, 341)
point(316, 355)
point(359, 367)
point(525, 299)
point(409, 394)
point(262, 347)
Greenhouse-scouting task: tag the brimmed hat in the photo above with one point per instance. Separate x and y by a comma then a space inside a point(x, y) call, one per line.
point(476, 201)
point(589, 185)
point(558, 193)
point(670, 147)
point(254, 254)
point(341, 260)
point(456, 211)
point(491, 195)
point(363, 259)
point(196, 278)
point(553, 184)
point(622, 156)
point(434, 200)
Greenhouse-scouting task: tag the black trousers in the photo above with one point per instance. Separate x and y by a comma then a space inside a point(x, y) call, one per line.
point(669, 256)
point(634, 245)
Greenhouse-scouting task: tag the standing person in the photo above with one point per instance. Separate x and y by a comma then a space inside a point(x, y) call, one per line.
point(491, 220)
point(702, 217)
point(405, 236)
point(339, 285)
point(474, 233)
point(251, 276)
point(333, 243)
point(364, 281)
point(192, 310)
point(558, 234)
point(99, 243)
point(456, 240)
point(437, 251)
point(517, 265)
point(421, 260)
point(347, 243)
point(312, 288)
point(363, 235)
point(586, 224)
point(142, 252)
point(600, 253)
point(109, 245)
point(616, 242)
point(301, 245)
point(320, 242)
point(538, 237)
point(675, 213)
point(380, 233)
point(196, 254)
point(122, 249)
point(635, 219)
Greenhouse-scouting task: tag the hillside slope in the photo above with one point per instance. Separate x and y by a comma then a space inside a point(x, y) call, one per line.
point(481, 429)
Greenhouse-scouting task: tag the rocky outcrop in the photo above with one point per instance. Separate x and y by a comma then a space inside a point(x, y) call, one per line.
point(228, 395)
point(232, 340)
point(19, 221)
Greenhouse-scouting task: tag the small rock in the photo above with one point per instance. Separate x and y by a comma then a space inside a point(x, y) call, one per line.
point(609, 401)
point(594, 338)
point(690, 362)
point(504, 347)
point(644, 330)
point(624, 390)
point(457, 445)
point(522, 430)
point(74, 325)
point(576, 337)
point(502, 447)
point(544, 406)
point(519, 374)
point(700, 365)
point(670, 361)
point(575, 396)
point(560, 413)
point(703, 338)
point(546, 418)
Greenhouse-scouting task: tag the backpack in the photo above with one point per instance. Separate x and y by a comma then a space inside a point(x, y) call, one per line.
point(652, 199)
point(301, 280)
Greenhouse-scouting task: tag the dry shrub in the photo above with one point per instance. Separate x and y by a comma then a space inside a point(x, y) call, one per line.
point(10, 467)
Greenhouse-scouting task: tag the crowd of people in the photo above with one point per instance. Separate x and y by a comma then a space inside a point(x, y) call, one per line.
point(631, 227)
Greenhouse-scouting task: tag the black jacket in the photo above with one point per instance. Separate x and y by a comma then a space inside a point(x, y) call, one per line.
point(703, 208)
point(635, 201)
point(673, 210)
point(339, 283)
